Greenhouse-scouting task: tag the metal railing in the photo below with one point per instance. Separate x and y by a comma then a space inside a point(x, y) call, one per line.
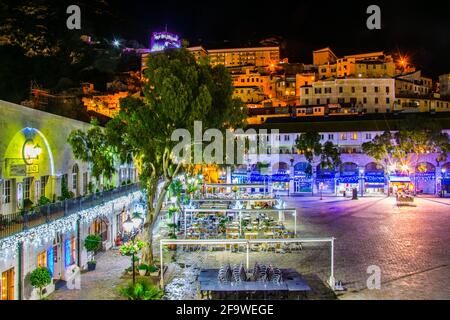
point(20, 221)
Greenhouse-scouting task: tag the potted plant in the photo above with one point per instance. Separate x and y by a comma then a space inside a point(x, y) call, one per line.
point(39, 279)
point(172, 246)
point(141, 290)
point(129, 270)
point(142, 268)
point(92, 243)
point(153, 270)
point(92, 264)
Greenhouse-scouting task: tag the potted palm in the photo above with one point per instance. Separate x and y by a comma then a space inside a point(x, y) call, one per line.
point(172, 235)
point(153, 270)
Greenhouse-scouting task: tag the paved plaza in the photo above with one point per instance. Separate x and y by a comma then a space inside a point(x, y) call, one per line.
point(409, 244)
point(100, 284)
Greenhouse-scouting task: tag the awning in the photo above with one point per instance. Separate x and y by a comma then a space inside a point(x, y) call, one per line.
point(349, 179)
point(399, 179)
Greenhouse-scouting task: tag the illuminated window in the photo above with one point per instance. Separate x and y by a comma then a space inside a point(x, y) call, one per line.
point(8, 285)
point(75, 177)
point(44, 181)
point(85, 183)
point(42, 259)
point(7, 191)
point(354, 136)
point(73, 246)
point(27, 188)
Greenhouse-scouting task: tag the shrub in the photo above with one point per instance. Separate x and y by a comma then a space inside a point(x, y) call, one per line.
point(141, 291)
point(27, 204)
point(93, 243)
point(40, 278)
point(143, 267)
point(152, 269)
point(43, 201)
point(90, 187)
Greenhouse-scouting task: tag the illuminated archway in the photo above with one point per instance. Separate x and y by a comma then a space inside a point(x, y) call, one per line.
point(27, 132)
point(425, 178)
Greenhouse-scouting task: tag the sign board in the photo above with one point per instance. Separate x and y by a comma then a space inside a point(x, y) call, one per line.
point(17, 170)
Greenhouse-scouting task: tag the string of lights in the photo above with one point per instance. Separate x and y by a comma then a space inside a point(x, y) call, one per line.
point(42, 234)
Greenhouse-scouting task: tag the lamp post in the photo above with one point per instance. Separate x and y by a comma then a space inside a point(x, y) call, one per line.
point(361, 176)
point(443, 172)
point(129, 225)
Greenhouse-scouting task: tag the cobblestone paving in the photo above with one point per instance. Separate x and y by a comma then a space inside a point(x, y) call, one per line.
point(100, 284)
point(409, 244)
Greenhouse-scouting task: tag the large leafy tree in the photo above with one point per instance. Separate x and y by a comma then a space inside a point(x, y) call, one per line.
point(415, 137)
point(309, 145)
point(93, 146)
point(177, 92)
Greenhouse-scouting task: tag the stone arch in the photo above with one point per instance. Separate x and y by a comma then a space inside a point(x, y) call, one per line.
point(373, 167)
point(349, 168)
point(425, 178)
point(280, 166)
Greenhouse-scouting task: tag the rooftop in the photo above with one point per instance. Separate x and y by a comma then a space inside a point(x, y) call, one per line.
point(347, 123)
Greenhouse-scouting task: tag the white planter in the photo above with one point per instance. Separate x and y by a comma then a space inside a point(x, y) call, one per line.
point(155, 274)
point(142, 272)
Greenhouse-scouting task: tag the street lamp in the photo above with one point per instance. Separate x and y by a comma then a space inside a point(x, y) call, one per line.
point(136, 220)
point(361, 176)
point(443, 172)
point(128, 225)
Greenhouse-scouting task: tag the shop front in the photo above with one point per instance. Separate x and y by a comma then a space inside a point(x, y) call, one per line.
point(280, 182)
point(280, 178)
point(302, 178)
point(445, 181)
point(325, 180)
point(425, 178)
point(239, 177)
point(259, 175)
point(374, 179)
point(348, 179)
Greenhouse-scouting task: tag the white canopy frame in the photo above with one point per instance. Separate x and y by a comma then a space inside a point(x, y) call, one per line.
point(247, 243)
point(240, 211)
point(235, 185)
point(235, 199)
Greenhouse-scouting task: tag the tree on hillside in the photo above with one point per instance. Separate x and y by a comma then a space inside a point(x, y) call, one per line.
point(177, 92)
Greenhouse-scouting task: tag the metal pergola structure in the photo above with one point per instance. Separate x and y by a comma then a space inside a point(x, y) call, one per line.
point(236, 185)
point(247, 243)
point(240, 211)
point(234, 199)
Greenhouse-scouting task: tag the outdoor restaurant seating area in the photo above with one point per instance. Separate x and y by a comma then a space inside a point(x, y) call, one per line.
point(261, 282)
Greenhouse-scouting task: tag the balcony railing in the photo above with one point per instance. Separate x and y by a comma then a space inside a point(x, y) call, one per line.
point(20, 221)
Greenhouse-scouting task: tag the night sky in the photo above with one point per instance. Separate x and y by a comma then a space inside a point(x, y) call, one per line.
point(421, 31)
